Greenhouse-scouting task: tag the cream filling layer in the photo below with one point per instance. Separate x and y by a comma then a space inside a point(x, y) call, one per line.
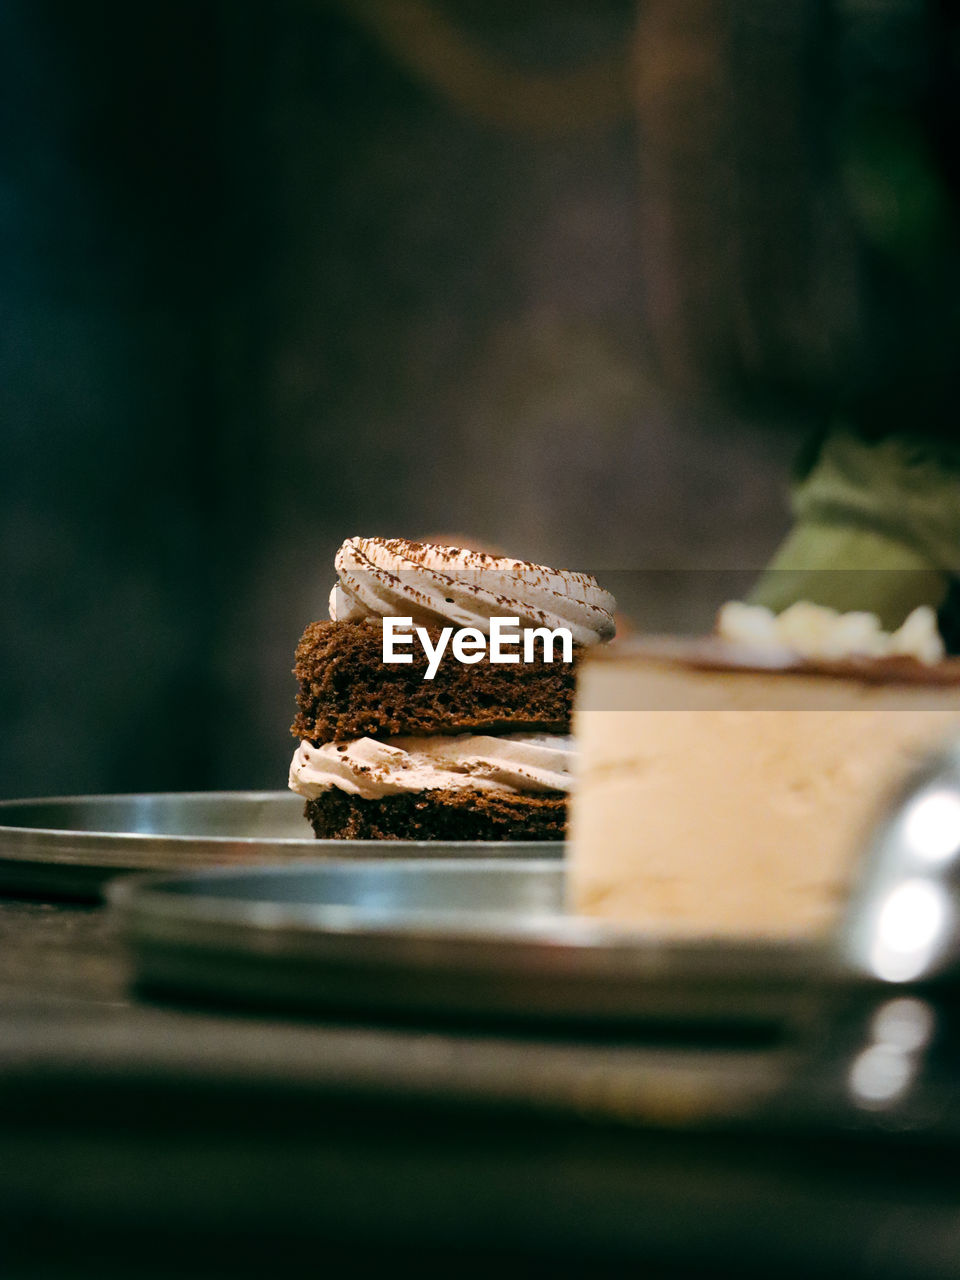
point(372, 769)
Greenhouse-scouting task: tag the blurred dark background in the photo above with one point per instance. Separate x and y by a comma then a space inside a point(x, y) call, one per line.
point(273, 275)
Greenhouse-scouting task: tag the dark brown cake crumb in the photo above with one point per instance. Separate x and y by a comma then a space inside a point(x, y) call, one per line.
point(347, 692)
point(439, 815)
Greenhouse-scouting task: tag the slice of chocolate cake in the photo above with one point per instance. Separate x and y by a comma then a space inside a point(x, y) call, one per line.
point(448, 740)
point(346, 690)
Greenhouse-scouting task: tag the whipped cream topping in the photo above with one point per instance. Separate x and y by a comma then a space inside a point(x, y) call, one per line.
point(813, 631)
point(396, 578)
point(372, 769)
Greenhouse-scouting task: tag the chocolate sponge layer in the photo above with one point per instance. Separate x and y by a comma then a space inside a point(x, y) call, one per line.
point(346, 691)
point(439, 815)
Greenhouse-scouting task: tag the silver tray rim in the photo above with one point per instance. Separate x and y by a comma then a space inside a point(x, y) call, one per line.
point(81, 833)
point(545, 968)
point(307, 842)
point(143, 901)
point(75, 863)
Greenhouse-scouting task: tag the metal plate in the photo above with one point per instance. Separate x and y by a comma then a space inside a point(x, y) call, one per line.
point(71, 846)
point(466, 938)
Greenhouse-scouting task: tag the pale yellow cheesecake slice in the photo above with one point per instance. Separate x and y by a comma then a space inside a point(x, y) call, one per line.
point(726, 791)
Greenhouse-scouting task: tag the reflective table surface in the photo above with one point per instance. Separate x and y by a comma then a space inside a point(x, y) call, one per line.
point(146, 1139)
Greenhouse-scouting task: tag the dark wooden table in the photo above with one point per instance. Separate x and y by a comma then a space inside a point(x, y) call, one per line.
point(138, 1139)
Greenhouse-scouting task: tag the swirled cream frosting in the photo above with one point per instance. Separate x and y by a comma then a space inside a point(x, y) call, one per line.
point(814, 631)
point(372, 769)
point(392, 577)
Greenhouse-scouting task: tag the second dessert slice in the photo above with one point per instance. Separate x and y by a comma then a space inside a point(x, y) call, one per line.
point(477, 751)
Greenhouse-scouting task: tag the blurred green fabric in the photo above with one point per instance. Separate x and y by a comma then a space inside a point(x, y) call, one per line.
point(877, 528)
